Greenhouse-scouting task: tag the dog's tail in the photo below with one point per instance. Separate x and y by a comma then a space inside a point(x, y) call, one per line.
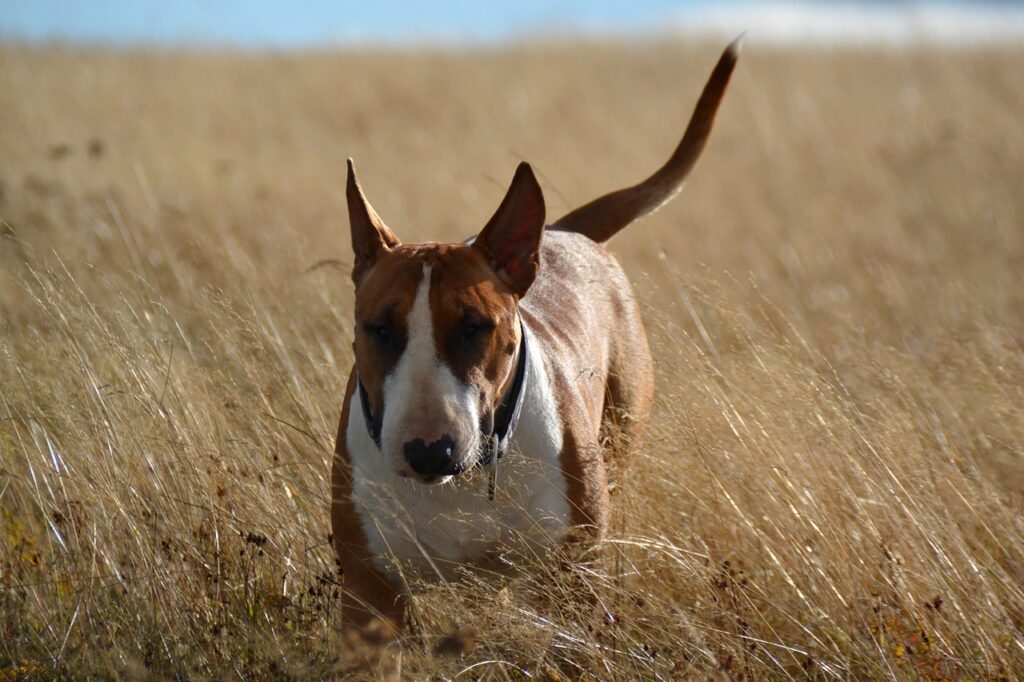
point(603, 217)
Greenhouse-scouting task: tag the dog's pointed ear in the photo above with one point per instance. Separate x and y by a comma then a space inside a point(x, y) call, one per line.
point(511, 239)
point(371, 238)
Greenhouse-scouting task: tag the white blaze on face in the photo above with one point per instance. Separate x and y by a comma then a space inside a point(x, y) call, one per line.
point(422, 398)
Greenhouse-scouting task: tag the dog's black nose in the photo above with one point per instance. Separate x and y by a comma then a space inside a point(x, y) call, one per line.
point(435, 459)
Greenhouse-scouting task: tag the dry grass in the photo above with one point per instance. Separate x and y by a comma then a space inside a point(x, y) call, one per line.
point(833, 482)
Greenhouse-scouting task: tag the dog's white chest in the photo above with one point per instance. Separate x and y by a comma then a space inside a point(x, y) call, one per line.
point(435, 528)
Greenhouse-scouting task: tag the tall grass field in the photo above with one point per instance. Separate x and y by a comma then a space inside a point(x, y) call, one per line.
point(832, 484)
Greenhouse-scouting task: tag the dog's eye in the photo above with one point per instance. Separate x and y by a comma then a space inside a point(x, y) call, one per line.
point(380, 332)
point(471, 331)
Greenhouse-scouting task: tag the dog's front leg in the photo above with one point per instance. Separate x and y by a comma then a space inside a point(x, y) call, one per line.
point(367, 593)
point(584, 469)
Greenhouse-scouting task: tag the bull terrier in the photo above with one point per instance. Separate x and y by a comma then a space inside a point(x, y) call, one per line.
point(484, 375)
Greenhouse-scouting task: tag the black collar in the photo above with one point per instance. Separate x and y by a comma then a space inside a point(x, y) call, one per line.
point(506, 415)
point(372, 425)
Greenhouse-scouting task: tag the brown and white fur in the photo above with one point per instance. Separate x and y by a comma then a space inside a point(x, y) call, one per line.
point(437, 338)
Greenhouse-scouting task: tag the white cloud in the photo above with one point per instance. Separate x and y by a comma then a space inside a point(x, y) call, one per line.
point(858, 23)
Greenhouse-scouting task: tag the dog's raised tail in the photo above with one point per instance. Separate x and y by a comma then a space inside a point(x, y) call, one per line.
point(603, 217)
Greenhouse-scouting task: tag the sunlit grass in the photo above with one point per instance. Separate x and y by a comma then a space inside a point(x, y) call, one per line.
point(832, 480)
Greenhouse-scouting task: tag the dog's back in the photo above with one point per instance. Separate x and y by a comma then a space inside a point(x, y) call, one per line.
point(582, 310)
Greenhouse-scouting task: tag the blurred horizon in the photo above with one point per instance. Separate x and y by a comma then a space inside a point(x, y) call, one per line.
point(277, 24)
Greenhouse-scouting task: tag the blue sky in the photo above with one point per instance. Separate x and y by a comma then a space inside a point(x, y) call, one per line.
point(280, 24)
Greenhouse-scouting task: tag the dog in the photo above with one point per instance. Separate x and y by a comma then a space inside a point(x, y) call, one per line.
point(484, 375)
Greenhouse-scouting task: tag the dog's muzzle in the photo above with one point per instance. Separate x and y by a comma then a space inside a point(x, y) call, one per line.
point(432, 460)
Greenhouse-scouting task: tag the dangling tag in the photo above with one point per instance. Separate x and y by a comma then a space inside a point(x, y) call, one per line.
point(492, 470)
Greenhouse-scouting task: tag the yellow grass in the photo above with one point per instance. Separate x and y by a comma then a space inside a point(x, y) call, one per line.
point(833, 480)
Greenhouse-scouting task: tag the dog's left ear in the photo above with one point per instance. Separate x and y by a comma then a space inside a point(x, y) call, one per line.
point(511, 239)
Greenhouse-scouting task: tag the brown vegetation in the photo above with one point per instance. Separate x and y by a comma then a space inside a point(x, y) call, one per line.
point(833, 480)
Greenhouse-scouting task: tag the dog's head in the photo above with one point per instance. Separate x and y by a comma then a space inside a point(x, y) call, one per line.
point(437, 329)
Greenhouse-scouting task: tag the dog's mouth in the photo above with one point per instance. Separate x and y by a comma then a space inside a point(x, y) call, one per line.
point(440, 477)
point(430, 479)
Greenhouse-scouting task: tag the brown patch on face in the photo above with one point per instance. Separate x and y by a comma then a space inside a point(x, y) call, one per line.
point(475, 323)
point(383, 301)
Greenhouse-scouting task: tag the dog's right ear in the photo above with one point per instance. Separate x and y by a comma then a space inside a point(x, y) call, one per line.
point(371, 238)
